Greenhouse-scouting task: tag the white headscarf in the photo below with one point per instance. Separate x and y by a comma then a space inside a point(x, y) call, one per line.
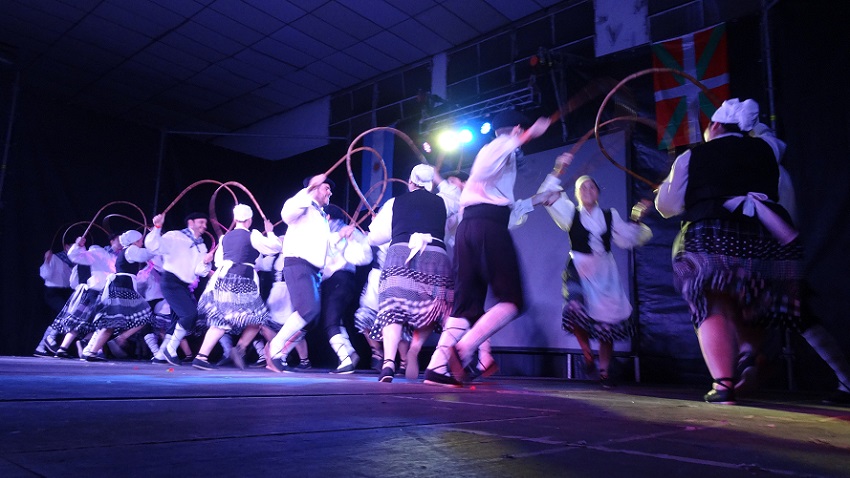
point(129, 237)
point(422, 175)
point(242, 212)
point(744, 114)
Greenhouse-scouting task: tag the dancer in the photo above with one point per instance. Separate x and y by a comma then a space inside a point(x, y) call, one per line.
point(416, 286)
point(56, 273)
point(596, 305)
point(231, 300)
point(280, 308)
point(736, 260)
point(75, 320)
point(184, 259)
point(817, 336)
point(304, 251)
point(339, 289)
point(122, 308)
point(450, 190)
point(484, 250)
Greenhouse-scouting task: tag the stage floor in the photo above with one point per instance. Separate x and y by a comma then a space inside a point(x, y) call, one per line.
point(67, 418)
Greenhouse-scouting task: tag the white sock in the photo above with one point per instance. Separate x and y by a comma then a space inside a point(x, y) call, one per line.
point(342, 346)
point(150, 340)
point(174, 342)
point(94, 337)
point(260, 347)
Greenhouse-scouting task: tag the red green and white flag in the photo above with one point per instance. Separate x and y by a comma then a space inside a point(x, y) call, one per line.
point(682, 109)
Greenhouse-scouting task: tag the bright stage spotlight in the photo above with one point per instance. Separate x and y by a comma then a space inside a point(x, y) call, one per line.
point(448, 140)
point(485, 128)
point(465, 136)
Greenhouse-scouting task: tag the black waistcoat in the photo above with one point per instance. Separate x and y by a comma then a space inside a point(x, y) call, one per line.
point(418, 211)
point(580, 236)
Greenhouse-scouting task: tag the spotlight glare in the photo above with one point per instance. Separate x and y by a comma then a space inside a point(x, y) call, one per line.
point(465, 136)
point(448, 141)
point(426, 146)
point(485, 128)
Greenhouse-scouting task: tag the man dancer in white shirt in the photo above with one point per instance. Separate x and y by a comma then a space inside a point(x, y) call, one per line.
point(305, 247)
point(484, 251)
point(56, 272)
point(184, 259)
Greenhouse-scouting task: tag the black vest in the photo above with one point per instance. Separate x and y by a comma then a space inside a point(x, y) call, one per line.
point(418, 211)
point(83, 273)
point(580, 236)
point(125, 266)
point(726, 167)
point(237, 247)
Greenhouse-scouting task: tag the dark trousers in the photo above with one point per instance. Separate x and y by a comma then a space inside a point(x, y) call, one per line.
point(180, 299)
point(338, 294)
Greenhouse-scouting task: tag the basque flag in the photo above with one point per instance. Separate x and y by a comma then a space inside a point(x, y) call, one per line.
point(682, 109)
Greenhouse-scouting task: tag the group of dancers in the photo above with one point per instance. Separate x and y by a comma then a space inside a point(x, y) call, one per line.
point(438, 250)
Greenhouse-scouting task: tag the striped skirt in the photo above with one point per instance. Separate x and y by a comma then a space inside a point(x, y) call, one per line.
point(79, 312)
point(419, 294)
point(123, 308)
point(741, 261)
point(233, 303)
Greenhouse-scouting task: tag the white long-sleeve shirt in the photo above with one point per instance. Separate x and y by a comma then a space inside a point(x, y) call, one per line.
point(307, 233)
point(137, 254)
point(55, 272)
point(180, 255)
point(493, 174)
point(102, 263)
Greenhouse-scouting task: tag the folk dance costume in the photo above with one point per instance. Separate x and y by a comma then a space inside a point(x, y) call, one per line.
point(416, 287)
point(596, 305)
point(76, 318)
point(338, 291)
point(280, 308)
point(149, 281)
point(595, 299)
point(730, 251)
point(485, 255)
point(122, 307)
point(231, 301)
point(735, 242)
point(183, 256)
point(56, 273)
point(305, 248)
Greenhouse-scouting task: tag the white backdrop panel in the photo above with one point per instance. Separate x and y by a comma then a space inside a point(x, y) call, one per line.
point(544, 248)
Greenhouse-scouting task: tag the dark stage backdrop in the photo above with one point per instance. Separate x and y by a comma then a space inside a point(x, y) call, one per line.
point(64, 163)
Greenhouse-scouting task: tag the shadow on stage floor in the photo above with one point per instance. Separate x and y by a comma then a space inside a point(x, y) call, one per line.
point(66, 418)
